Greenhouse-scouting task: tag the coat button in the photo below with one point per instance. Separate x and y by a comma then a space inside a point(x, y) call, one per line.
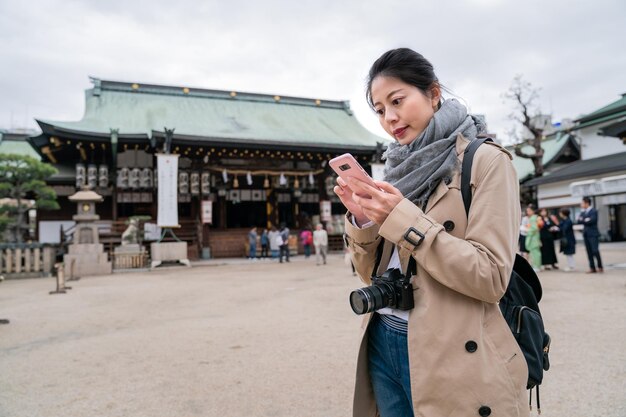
point(484, 411)
point(448, 225)
point(471, 346)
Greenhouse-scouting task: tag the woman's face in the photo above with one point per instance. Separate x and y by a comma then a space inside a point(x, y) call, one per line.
point(529, 211)
point(403, 110)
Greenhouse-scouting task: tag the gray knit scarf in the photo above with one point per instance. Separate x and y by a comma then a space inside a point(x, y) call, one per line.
point(417, 168)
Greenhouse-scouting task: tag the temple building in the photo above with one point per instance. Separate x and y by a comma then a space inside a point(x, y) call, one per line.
point(244, 160)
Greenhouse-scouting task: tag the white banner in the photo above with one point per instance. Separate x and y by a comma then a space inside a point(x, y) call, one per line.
point(207, 211)
point(167, 168)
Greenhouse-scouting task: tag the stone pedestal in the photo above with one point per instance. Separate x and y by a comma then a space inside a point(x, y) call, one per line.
point(86, 259)
point(168, 251)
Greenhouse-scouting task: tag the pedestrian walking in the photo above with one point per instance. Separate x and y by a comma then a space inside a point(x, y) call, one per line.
point(284, 247)
point(320, 241)
point(568, 240)
point(453, 353)
point(252, 237)
point(533, 238)
point(589, 219)
point(275, 241)
point(306, 238)
point(265, 242)
point(546, 235)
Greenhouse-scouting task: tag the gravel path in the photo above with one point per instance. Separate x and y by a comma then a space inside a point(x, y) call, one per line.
point(258, 338)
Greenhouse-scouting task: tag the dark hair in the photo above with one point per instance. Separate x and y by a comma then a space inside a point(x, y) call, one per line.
point(532, 207)
point(587, 200)
point(565, 212)
point(406, 65)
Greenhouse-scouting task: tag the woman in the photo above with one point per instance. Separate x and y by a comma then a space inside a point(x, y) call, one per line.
point(568, 241)
point(533, 238)
point(453, 353)
point(306, 238)
point(546, 235)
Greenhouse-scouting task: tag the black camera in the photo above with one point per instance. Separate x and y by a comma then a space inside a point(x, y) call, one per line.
point(391, 289)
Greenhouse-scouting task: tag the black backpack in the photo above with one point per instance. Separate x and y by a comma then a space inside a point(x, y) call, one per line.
point(520, 303)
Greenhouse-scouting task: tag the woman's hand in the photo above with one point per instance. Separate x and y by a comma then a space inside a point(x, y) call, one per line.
point(346, 196)
point(375, 204)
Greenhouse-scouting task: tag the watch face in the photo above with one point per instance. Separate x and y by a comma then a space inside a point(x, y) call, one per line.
point(85, 207)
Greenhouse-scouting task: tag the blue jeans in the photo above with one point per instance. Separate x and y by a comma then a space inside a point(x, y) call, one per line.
point(253, 251)
point(388, 361)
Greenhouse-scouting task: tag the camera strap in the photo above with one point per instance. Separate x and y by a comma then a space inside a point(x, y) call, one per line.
point(379, 256)
point(411, 267)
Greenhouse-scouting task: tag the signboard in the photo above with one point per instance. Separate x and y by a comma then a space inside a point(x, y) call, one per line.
point(207, 212)
point(325, 214)
point(167, 173)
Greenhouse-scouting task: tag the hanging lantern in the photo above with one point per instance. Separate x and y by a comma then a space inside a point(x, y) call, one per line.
point(103, 176)
point(266, 182)
point(92, 176)
point(236, 182)
point(145, 179)
point(81, 176)
point(296, 183)
point(249, 178)
point(311, 180)
point(183, 182)
point(225, 176)
point(205, 183)
point(282, 180)
point(194, 181)
point(134, 178)
point(122, 178)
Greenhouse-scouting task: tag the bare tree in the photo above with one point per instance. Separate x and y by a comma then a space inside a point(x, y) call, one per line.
point(523, 95)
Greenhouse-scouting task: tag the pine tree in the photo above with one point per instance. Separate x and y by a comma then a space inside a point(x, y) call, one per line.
point(22, 179)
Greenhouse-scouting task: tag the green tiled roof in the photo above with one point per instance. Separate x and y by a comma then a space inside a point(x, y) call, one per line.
point(552, 146)
point(17, 146)
point(607, 112)
point(218, 115)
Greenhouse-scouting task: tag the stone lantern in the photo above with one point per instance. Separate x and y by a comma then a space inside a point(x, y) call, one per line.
point(86, 254)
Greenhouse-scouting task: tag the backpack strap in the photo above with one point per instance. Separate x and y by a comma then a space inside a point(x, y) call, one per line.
point(466, 170)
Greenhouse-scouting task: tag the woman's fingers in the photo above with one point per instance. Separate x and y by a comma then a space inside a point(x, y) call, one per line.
point(388, 188)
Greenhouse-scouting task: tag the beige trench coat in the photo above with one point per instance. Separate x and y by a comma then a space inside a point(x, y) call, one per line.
point(464, 360)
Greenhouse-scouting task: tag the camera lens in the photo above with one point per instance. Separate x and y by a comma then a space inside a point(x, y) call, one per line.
point(368, 299)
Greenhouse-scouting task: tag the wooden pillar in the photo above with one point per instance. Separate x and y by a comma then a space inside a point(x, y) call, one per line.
point(269, 209)
point(222, 219)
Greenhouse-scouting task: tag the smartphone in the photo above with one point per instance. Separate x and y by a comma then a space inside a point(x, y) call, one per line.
point(346, 166)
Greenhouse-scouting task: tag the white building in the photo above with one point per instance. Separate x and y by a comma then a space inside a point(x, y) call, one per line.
point(600, 173)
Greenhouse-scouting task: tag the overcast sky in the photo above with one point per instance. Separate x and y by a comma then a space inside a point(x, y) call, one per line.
point(573, 51)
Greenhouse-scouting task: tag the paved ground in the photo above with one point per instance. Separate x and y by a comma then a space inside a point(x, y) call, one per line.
point(241, 338)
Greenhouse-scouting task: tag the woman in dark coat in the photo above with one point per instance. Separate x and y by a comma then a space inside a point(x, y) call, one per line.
point(568, 241)
point(548, 254)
